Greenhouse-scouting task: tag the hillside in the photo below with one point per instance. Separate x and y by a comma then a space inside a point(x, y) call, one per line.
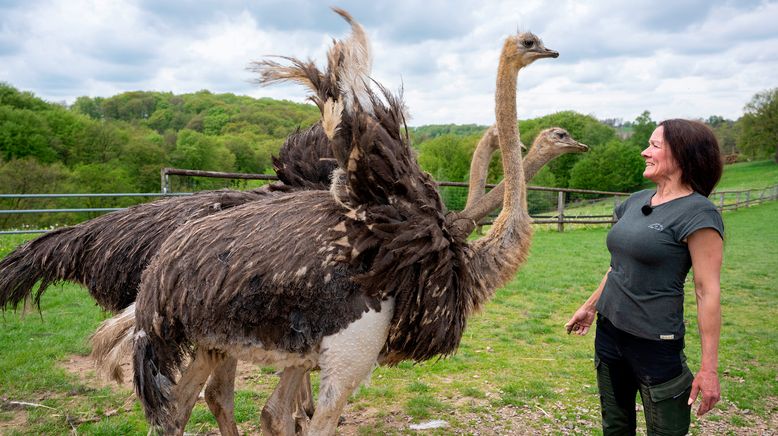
point(749, 175)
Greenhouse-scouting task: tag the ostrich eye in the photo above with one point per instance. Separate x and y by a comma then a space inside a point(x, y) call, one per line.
point(560, 135)
point(528, 43)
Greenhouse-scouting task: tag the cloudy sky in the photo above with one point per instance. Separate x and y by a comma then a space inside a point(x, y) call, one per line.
point(680, 58)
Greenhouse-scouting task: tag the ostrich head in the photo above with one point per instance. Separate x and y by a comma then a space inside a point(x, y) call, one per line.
point(525, 48)
point(556, 141)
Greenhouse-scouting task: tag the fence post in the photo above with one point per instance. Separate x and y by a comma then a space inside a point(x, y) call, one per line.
point(737, 200)
point(721, 201)
point(748, 198)
point(164, 181)
point(615, 205)
point(560, 210)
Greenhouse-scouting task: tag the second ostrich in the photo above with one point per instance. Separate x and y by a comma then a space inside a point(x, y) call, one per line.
point(395, 279)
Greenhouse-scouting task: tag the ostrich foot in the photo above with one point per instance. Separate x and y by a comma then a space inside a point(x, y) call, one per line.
point(281, 416)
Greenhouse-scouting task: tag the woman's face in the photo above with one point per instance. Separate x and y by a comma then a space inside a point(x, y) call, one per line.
point(660, 164)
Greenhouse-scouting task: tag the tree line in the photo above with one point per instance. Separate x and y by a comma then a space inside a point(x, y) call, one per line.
point(120, 143)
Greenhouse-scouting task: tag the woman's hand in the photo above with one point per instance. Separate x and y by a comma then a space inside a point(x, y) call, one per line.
point(707, 383)
point(584, 316)
point(581, 321)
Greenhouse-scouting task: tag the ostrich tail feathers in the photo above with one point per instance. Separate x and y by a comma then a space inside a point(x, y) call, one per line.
point(349, 65)
point(152, 386)
point(297, 71)
point(46, 259)
point(111, 342)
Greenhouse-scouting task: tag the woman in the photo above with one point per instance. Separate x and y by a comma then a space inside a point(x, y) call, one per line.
point(660, 235)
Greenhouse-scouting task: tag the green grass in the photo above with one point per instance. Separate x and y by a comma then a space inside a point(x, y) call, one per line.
point(514, 356)
point(749, 175)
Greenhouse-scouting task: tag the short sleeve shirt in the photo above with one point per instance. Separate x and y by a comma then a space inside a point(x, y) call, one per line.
point(650, 260)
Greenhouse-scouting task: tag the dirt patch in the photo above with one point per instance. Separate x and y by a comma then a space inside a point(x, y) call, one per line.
point(720, 419)
point(84, 368)
point(18, 420)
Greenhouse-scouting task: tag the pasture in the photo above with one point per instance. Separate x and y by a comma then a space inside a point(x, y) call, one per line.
point(516, 371)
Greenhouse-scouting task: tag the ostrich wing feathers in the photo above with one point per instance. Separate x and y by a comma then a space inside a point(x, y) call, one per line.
point(109, 253)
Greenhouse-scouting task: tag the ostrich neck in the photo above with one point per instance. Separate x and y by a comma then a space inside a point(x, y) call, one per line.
point(483, 205)
point(497, 256)
point(479, 167)
point(510, 143)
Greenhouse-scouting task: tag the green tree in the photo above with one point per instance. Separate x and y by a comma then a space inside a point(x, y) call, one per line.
point(142, 157)
point(91, 107)
point(10, 96)
point(425, 133)
point(542, 201)
point(447, 157)
point(642, 129)
point(201, 152)
point(583, 128)
point(759, 126)
point(25, 133)
point(727, 133)
point(28, 176)
point(616, 166)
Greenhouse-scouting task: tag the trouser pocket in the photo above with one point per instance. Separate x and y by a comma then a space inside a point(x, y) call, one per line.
point(666, 405)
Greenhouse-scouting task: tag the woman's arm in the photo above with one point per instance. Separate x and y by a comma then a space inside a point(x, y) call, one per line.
point(706, 249)
point(584, 316)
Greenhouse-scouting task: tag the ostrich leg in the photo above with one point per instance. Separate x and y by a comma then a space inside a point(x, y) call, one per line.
point(305, 396)
point(220, 395)
point(283, 412)
point(347, 357)
point(187, 390)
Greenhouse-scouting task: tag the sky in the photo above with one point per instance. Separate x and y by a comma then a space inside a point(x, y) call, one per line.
point(679, 58)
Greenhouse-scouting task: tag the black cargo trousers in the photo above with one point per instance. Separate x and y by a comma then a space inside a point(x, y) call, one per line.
point(627, 364)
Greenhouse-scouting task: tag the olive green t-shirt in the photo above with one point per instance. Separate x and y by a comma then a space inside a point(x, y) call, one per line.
point(643, 294)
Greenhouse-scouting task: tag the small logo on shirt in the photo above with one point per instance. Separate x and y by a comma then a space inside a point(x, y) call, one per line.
point(656, 226)
point(666, 337)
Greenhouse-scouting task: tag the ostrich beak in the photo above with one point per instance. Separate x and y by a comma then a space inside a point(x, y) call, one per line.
point(547, 53)
point(580, 147)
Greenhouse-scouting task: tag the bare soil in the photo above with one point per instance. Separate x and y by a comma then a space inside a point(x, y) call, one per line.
point(525, 420)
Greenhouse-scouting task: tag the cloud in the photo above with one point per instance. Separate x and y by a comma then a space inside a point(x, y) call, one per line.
point(688, 58)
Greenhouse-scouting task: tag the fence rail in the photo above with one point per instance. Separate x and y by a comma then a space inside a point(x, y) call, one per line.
point(568, 208)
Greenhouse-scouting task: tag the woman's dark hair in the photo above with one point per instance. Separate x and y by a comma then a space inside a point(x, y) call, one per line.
point(696, 150)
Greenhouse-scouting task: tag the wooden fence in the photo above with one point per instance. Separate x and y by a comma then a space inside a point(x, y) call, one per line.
point(724, 200)
point(548, 206)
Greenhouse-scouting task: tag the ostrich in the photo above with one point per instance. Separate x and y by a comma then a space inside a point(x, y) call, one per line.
point(108, 254)
point(395, 279)
point(113, 339)
point(547, 146)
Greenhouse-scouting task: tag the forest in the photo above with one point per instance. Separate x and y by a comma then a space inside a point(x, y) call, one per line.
point(120, 143)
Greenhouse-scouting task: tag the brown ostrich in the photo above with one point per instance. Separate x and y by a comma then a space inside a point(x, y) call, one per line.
point(395, 279)
point(108, 254)
point(113, 339)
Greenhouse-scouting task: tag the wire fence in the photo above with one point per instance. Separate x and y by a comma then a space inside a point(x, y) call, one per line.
point(555, 208)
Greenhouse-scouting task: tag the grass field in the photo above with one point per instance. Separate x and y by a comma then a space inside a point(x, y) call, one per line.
point(749, 175)
point(516, 371)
